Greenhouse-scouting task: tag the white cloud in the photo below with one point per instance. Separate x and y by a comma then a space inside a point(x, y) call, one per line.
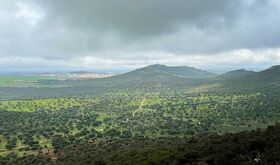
point(232, 58)
point(28, 12)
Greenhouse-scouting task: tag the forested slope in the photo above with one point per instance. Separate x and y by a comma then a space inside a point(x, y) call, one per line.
point(254, 147)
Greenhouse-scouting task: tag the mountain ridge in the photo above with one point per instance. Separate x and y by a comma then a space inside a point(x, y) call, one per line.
point(237, 74)
point(180, 71)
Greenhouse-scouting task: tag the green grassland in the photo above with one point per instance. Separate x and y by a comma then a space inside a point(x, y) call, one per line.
point(7, 80)
point(39, 104)
point(21, 81)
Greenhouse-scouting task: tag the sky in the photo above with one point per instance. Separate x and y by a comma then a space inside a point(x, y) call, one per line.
point(107, 34)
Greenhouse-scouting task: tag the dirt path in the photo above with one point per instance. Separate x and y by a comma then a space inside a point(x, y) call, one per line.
point(140, 107)
point(142, 103)
point(50, 153)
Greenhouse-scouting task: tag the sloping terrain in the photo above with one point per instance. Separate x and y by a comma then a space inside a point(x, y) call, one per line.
point(253, 147)
point(266, 81)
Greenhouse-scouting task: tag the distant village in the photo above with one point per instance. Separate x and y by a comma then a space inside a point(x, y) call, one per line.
point(78, 75)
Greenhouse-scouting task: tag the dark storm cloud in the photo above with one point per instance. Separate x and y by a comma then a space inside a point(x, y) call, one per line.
point(140, 18)
point(202, 26)
point(71, 32)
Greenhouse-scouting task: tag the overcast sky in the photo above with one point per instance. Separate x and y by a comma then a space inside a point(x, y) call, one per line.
point(132, 33)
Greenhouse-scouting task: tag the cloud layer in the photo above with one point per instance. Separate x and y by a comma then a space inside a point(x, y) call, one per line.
point(95, 34)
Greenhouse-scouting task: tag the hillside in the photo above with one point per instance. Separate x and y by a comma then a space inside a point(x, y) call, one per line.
point(270, 74)
point(251, 147)
point(266, 81)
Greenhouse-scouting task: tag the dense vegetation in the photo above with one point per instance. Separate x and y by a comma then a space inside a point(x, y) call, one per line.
point(147, 114)
point(260, 147)
point(254, 147)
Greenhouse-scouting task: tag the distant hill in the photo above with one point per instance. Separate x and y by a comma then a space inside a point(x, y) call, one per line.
point(271, 73)
point(164, 75)
point(180, 71)
point(158, 78)
point(269, 79)
point(237, 74)
point(242, 80)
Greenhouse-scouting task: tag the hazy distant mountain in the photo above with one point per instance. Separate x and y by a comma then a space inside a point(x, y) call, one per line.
point(160, 78)
point(162, 70)
point(161, 75)
point(269, 78)
point(237, 74)
point(265, 75)
point(273, 72)
point(270, 75)
point(241, 80)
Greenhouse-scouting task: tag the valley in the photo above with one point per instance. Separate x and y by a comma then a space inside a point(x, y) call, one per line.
point(149, 105)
